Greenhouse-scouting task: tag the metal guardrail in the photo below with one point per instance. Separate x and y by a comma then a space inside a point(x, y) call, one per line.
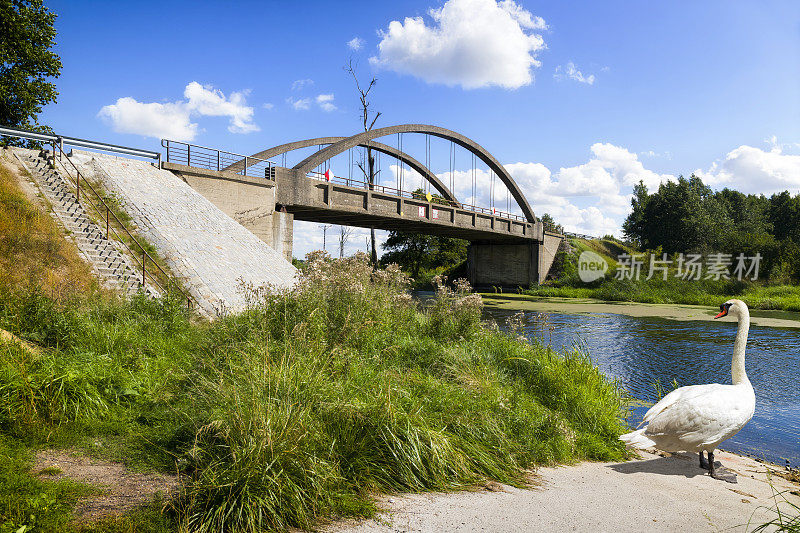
point(193, 155)
point(197, 156)
point(350, 182)
point(61, 140)
point(579, 236)
point(104, 212)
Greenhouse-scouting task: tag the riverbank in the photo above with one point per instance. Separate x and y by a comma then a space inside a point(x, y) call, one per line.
point(653, 493)
point(514, 302)
point(296, 410)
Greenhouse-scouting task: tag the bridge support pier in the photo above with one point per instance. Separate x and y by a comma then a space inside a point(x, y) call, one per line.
point(503, 265)
point(282, 232)
point(511, 265)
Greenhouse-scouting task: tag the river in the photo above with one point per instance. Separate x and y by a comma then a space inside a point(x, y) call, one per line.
point(641, 351)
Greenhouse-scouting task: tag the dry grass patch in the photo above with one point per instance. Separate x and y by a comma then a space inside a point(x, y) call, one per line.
point(33, 249)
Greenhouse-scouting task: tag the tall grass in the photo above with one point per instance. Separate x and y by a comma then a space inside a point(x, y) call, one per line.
point(786, 514)
point(33, 252)
point(306, 404)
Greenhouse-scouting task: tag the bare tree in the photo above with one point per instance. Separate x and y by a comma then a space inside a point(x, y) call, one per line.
point(343, 238)
point(368, 119)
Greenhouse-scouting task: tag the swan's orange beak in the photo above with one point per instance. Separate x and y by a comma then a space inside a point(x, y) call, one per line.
point(723, 313)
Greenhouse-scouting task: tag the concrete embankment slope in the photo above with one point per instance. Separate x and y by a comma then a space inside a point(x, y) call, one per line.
point(212, 253)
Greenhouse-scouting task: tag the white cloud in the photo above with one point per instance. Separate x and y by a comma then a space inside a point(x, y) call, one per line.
point(356, 43)
point(299, 85)
point(268, 105)
point(594, 197)
point(207, 101)
point(299, 104)
point(173, 119)
point(162, 121)
point(471, 43)
point(753, 170)
point(591, 198)
point(571, 71)
point(308, 236)
point(325, 101)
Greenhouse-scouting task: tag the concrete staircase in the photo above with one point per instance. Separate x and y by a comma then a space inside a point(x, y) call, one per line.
point(104, 255)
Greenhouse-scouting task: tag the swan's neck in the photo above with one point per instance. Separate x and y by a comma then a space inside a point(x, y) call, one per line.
point(738, 374)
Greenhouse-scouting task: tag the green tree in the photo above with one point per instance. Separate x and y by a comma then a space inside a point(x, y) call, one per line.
point(681, 216)
point(28, 63)
point(634, 226)
point(549, 224)
point(784, 215)
point(416, 252)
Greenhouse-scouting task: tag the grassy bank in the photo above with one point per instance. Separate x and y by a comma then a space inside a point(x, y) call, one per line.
point(677, 291)
point(33, 251)
point(567, 284)
point(295, 410)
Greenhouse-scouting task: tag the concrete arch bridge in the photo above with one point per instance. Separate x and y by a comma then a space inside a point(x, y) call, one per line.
point(506, 248)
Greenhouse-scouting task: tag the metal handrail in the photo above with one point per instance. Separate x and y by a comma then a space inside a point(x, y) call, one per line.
point(56, 142)
point(579, 235)
point(76, 141)
point(109, 213)
point(195, 155)
point(351, 182)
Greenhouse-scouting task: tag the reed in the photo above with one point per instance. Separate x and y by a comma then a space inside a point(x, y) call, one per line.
point(303, 406)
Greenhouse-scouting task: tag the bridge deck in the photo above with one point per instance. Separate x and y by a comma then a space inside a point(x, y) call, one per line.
point(330, 202)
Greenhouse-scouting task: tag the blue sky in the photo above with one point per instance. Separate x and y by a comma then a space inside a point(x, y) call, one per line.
point(580, 100)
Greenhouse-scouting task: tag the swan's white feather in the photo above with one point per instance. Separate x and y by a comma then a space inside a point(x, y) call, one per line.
point(700, 417)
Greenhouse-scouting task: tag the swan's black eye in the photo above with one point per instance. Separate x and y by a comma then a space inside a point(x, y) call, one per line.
point(722, 307)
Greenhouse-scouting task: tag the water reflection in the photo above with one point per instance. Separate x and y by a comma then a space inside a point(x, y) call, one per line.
point(640, 351)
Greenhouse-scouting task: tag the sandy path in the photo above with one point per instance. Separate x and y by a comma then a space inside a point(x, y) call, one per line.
point(652, 494)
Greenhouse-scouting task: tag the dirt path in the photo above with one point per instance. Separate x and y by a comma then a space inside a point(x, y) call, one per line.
point(652, 494)
point(123, 490)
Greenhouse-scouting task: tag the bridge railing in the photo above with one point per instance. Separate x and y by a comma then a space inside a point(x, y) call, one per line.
point(61, 140)
point(193, 155)
point(351, 182)
point(96, 204)
point(580, 236)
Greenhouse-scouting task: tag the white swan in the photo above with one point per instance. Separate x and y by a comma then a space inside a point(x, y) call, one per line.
point(699, 417)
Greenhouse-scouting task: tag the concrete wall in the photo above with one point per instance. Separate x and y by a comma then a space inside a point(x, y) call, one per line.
point(249, 201)
point(505, 265)
point(548, 252)
point(511, 265)
point(212, 254)
point(283, 232)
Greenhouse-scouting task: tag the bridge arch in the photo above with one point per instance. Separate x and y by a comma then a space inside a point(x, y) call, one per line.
point(360, 139)
point(378, 147)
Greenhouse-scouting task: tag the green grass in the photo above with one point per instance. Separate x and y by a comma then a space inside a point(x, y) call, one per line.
point(673, 290)
point(27, 503)
point(294, 411)
point(677, 291)
point(786, 514)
